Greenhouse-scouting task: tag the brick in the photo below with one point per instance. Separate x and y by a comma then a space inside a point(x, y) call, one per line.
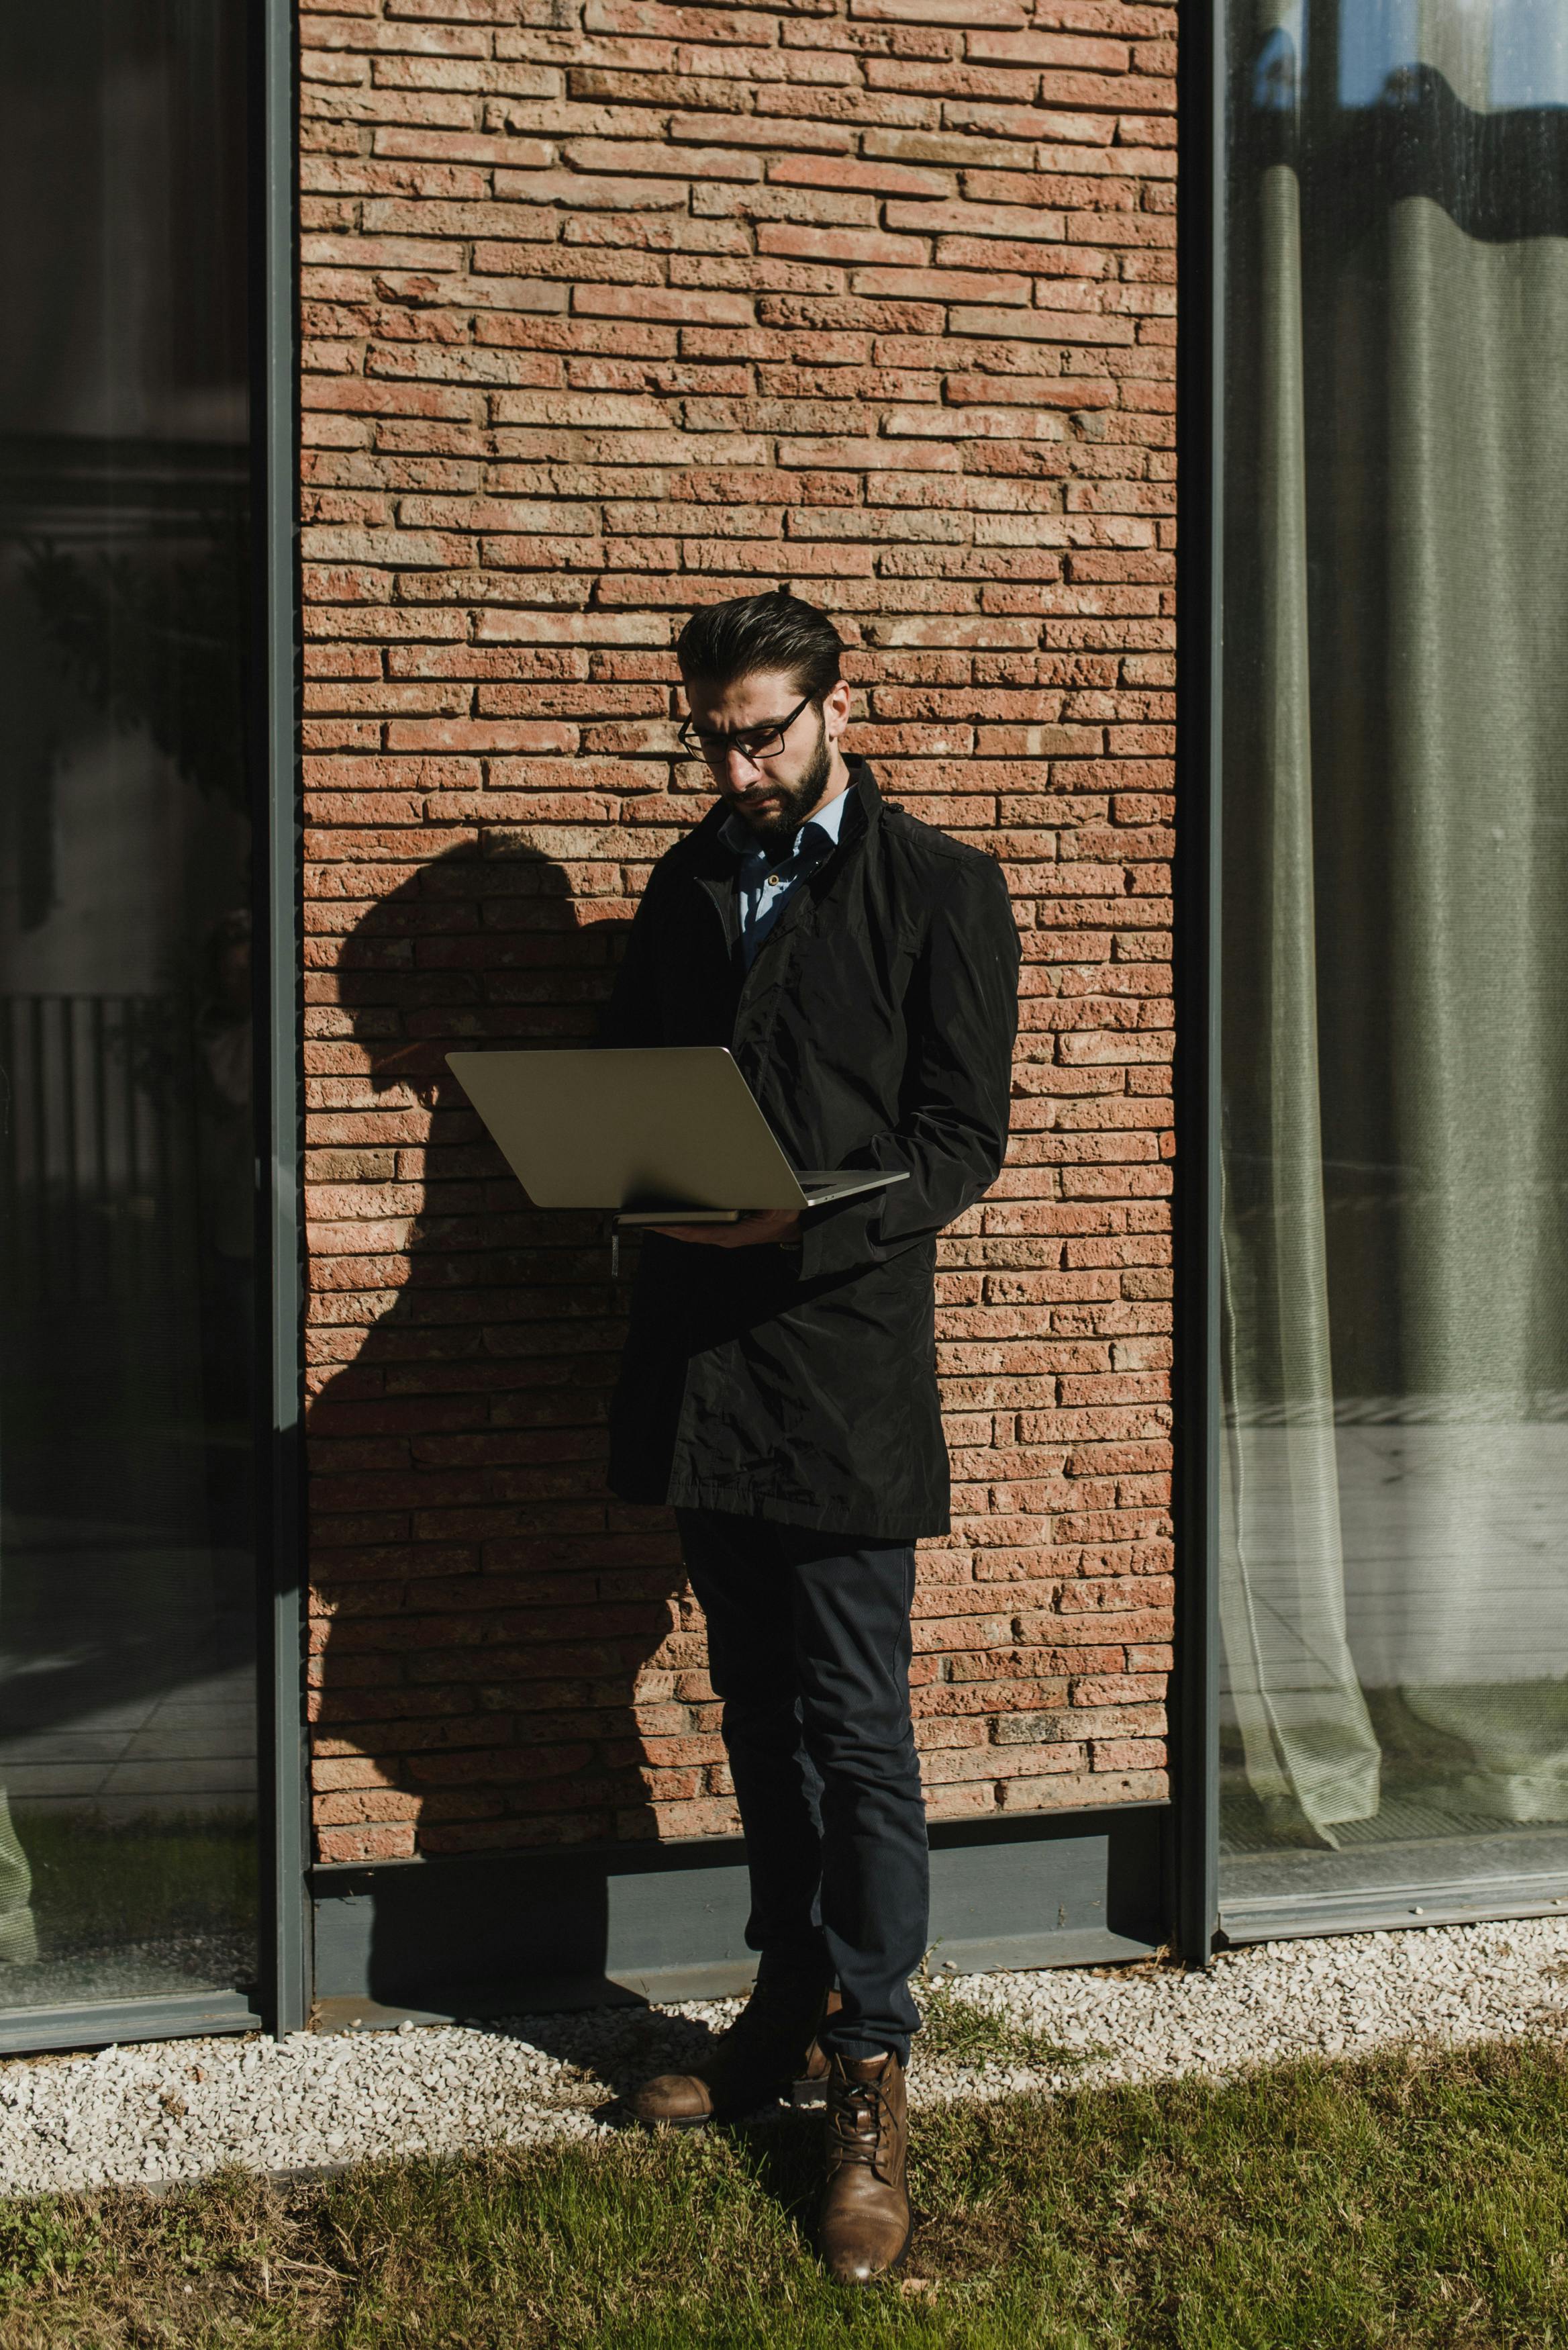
point(652, 157)
point(730, 131)
point(866, 456)
point(429, 142)
point(847, 171)
point(963, 13)
point(818, 244)
point(1035, 124)
point(688, 307)
point(1011, 47)
point(947, 285)
point(976, 220)
point(950, 147)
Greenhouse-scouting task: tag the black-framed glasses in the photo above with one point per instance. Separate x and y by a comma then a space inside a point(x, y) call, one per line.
point(753, 742)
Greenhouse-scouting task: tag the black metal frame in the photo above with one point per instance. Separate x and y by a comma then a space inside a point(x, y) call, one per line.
point(284, 1991)
point(1200, 120)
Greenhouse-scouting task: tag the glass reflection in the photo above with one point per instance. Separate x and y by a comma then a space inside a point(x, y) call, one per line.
point(127, 1558)
point(1395, 1519)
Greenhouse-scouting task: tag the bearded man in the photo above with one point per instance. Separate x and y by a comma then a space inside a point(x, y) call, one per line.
point(779, 1385)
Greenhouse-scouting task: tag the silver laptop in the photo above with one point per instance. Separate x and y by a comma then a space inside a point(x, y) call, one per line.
point(666, 1134)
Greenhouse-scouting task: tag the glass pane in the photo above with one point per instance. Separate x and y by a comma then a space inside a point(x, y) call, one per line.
point(1395, 1519)
point(127, 1546)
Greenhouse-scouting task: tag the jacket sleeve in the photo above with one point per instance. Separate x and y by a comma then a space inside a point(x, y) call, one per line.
point(961, 1015)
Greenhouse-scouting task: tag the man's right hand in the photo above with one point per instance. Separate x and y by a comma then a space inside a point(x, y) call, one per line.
point(776, 1224)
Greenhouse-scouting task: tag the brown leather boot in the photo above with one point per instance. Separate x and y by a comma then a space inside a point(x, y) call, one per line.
point(769, 2051)
point(864, 2222)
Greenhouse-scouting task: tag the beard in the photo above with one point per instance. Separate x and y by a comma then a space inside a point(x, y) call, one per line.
point(796, 800)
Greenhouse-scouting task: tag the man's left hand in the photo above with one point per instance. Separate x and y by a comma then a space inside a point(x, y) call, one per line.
point(777, 1224)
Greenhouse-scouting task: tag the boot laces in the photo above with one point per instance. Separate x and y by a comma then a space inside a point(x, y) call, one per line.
point(858, 2114)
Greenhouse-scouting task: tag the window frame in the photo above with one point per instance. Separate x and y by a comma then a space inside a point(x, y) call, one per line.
point(1196, 1395)
point(283, 1756)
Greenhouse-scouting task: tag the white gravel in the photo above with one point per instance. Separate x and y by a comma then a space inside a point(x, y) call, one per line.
point(180, 2109)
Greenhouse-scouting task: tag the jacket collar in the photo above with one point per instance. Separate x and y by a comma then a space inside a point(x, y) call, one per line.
point(866, 809)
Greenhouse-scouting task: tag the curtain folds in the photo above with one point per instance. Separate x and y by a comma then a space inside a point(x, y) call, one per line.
point(18, 1928)
point(1395, 1219)
point(1308, 1742)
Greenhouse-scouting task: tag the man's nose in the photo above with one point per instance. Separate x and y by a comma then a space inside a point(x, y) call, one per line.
point(740, 769)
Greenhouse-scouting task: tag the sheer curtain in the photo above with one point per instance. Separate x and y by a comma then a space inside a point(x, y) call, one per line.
point(18, 1928)
point(1394, 1518)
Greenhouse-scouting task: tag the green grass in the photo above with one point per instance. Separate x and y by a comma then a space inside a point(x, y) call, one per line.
point(954, 2026)
point(1400, 2203)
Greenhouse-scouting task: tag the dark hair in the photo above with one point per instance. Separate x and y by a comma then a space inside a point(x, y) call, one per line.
point(723, 642)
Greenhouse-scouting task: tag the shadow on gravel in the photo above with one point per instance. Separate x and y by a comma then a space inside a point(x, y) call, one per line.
point(621, 2047)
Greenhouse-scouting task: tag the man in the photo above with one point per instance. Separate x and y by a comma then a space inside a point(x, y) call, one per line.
point(779, 1385)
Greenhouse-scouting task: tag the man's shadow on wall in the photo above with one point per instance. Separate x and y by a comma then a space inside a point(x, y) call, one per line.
point(483, 1669)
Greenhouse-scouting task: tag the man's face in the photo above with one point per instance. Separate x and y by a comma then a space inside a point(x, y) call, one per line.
point(773, 790)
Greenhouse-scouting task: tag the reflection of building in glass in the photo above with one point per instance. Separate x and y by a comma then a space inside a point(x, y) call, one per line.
point(125, 1548)
point(1493, 54)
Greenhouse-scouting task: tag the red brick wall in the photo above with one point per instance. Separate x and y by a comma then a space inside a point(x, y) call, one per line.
point(611, 308)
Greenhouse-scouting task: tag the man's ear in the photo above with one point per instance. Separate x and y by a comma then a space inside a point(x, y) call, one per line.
point(835, 711)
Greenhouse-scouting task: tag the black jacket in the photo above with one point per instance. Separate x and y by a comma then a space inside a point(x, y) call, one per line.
point(876, 1029)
